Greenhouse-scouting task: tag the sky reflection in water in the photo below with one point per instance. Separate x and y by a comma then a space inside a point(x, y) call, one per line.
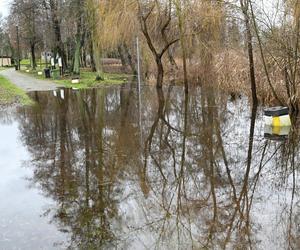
point(98, 169)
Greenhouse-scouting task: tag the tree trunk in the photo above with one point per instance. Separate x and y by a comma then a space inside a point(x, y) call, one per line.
point(83, 56)
point(58, 48)
point(76, 66)
point(160, 72)
point(79, 38)
point(129, 59)
point(122, 57)
point(93, 64)
point(245, 6)
point(182, 42)
point(172, 60)
point(157, 54)
point(251, 61)
point(98, 62)
point(33, 60)
point(126, 58)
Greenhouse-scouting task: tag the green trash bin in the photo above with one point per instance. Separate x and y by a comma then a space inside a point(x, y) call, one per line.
point(55, 74)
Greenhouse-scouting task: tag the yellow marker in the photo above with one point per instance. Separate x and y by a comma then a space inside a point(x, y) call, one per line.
point(276, 130)
point(276, 121)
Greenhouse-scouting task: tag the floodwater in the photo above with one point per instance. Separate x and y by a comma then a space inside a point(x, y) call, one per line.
point(110, 168)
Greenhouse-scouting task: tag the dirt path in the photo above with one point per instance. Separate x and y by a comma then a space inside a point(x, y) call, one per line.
point(27, 82)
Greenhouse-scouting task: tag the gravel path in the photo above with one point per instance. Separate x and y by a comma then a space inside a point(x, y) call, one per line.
point(27, 82)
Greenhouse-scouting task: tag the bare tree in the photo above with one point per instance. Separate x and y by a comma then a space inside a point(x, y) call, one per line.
point(145, 15)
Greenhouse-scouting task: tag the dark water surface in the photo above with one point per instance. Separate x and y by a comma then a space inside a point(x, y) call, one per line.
point(109, 169)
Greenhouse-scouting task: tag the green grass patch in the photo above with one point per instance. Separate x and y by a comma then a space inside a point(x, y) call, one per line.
point(25, 62)
point(4, 68)
point(28, 62)
point(10, 94)
point(87, 79)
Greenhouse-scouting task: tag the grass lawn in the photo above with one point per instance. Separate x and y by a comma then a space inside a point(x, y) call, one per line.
point(27, 62)
point(10, 94)
point(3, 68)
point(87, 79)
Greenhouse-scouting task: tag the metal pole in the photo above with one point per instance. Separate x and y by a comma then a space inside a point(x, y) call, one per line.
point(2, 54)
point(139, 87)
point(138, 63)
point(18, 44)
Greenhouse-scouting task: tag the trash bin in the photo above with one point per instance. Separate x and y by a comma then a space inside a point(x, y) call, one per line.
point(47, 73)
point(16, 67)
point(55, 74)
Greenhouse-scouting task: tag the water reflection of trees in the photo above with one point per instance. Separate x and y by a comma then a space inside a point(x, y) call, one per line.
point(189, 171)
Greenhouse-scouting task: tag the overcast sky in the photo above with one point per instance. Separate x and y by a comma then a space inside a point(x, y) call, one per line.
point(4, 7)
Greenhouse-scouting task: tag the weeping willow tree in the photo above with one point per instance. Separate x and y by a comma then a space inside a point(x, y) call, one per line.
point(165, 28)
point(204, 26)
point(116, 29)
point(119, 22)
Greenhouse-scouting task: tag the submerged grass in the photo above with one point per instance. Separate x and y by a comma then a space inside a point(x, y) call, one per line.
point(10, 94)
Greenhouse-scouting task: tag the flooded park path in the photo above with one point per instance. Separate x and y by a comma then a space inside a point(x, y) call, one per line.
point(112, 168)
point(27, 82)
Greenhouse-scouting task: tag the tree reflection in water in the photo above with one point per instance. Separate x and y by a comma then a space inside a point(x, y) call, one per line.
point(189, 171)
